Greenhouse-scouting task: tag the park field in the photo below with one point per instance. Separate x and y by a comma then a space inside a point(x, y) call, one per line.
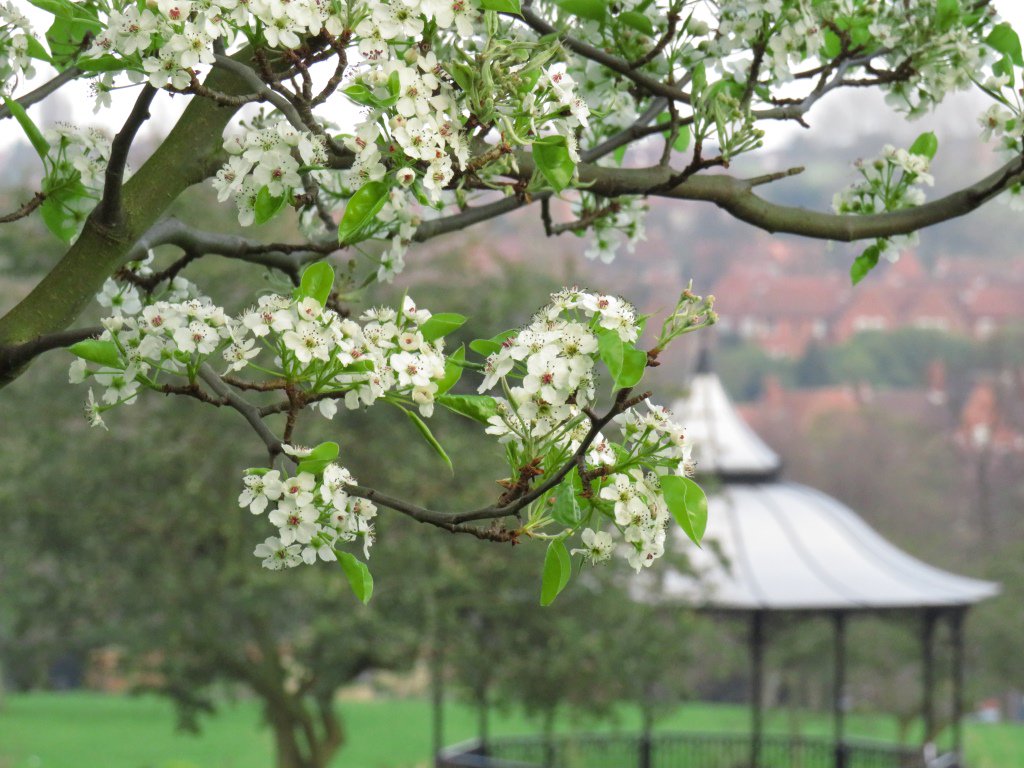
point(90, 730)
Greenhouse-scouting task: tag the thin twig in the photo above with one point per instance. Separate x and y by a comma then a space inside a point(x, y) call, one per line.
point(25, 210)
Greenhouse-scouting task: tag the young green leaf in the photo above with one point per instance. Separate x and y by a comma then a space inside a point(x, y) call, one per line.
point(103, 353)
point(551, 154)
point(832, 45)
point(557, 570)
point(625, 362)
point(318, 459)
point(638, 21)
point(106, 63)
point(358, 575)
point(267, 206)
point(688, 505)
point(361, 210)
point(487, 347)
point(1005, 40)
point(926, 145)
point(317, 282)
point(360, 94)
point(59, 212)
point(586, 9)
point(502, 6)
point(452, 370)
point(35, 136)
point(440, 325)
point(682, 142)
point(610, 348)
point(36, 51)
point(429, 437)
point(864, 263)
point(566, 507)
point(477, 407)
point(946, 13)
point(634, 364)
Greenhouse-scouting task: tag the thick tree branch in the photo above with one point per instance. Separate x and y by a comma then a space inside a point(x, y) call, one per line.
point(251, 78)
point(14, 358)
point(288, 258)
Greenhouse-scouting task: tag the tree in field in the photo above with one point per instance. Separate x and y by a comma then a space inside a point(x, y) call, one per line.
point(466, 110)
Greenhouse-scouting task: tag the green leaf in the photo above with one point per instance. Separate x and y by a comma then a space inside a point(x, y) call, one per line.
point(625, 362)
point(1003, 39)
point(946, 13)
point(440, 325)
point(700, 78)
point(1004, 66)
point(688, 505)
point(56, 209)
point(864, 263)
point(463, 75)
point(557, 569)
point(682, 142)
point(610, 347)
point(477, 407)
point(452, 370)
point(502, 6)
point(103, 353)
point(429, 437)
point(106, 63)
point(267, 206)
point(566, 507)
point(586, 9)
point(832, 46)
point(360, 94)
point(361, 210)
point(927, 144)
point(36, 50)
point(638, 21)
point(319, 458)
point(620, 154)
point(317, 282)
point(71, 23)
point(487, 347)
point(35, 136)
point(551, 154)
point(634, 364)
point(358, 575)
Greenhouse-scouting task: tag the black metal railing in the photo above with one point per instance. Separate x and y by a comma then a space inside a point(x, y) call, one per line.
point(676, 750)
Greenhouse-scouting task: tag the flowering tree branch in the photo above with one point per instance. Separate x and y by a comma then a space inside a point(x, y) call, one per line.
point(109, 211)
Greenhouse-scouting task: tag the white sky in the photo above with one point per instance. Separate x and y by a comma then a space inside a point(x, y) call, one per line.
point(837, 120)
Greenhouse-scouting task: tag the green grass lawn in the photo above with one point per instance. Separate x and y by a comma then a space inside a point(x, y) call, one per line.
point(89, 730)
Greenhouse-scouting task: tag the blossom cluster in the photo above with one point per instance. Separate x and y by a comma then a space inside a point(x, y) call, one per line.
point(85, 150)
point(332, 358)
point(313, 513)
point(269, 156)
point(554, 356)
point(890, 182)
point(15, 33)
point(547, 413)
point(639, 510)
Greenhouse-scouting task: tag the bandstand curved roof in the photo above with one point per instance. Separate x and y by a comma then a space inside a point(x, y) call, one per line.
point(775, 545)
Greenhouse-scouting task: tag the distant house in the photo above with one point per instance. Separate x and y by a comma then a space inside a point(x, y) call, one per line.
point(785, 306)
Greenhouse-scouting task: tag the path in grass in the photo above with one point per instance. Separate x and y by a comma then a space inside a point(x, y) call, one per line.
point(89, 730)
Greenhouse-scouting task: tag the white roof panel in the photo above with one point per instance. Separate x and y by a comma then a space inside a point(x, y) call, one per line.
point(723, 443)
point(784, 546)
